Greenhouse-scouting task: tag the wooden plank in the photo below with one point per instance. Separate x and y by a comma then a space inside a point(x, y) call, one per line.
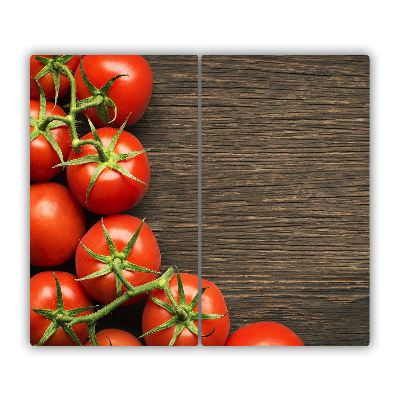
point(285, 192)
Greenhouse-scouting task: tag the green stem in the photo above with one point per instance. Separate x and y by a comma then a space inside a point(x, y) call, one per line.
point(78, 143)
point(158, 283)
point(92, 334)
point(120, 275)
point(49, 118)
point(74, 111)
point(70, 76)
point(95, 102)
point(171, 298)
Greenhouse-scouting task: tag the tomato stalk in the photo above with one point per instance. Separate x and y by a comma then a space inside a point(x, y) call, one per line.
point(105, 158)
point(68, 318)
point(182, 313)
point(116, 261)
point(92, 334)
point(75, 107)
point(53, 65)
point(90, 319)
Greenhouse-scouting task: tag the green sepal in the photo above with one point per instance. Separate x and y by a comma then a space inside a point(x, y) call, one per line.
point(59, 317)
point(110, 159)
point(126, 156)
point(96, 173)
point(116, 262)
point(44, 312)
point(46, 133)
point(52, 65)
point(98, 257)
point(72, 334)
point(110, 243)
point(101, 272)
point(52, 328)
point(102, 108)
point(179, 329)
point(117, 167)
point(178, 309)
point(60, 301)
point(115, 138)
point(80, 161)
point(163, 304)
point(168, 324)
point(195, 299)
point(192, 327)
point(56, 124)
point(133, 267)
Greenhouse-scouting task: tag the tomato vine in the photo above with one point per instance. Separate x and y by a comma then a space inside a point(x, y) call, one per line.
point(182, 314)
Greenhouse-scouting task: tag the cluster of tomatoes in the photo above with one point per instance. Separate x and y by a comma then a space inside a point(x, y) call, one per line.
point(117, 260)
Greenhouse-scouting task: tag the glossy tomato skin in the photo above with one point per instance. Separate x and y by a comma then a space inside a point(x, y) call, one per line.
point(42, 155)
point(145, 253)
point(46, 82)
point(264, 334)
point(117, 337)
point(131, 94)
point(43, 295)
point(57, 222)
point(113, 192)
point(212, 302)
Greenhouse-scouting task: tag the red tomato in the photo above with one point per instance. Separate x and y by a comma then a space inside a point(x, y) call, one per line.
point(117, 337)
point(47, 82)
point(264, 334)
point(212, 302)
point(43, 157)
point(112, 192)
point(131, 94)
point(57, 222)
point(43, 295)
point(145, 253)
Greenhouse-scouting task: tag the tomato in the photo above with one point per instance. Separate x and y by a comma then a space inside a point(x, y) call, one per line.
point(43, 295)
point(117, 337)
point(264, 334)
point(131, 94)
point(47, 81)
point(144, 253)
point(57, 222)
point(212, 302)
point(112, 192)
point(43, 157)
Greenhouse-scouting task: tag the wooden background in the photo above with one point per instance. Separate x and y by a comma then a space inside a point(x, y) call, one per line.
point(170, 128)
point(285, 192)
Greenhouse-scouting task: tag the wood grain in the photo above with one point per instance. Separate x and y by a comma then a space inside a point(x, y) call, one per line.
point(285, 192)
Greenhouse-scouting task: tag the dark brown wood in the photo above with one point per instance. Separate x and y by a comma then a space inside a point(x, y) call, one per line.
point(169, 127)
point(285, 192)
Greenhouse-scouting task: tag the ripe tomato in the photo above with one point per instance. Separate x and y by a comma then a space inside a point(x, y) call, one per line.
point(57, 222)
point(117, 337)
point(43, 295)
point(112, 192)
point(264, 334)
point(43, 157)
point(47, 82)
point(131, 94)
point(212, 302)
point(144, 253)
